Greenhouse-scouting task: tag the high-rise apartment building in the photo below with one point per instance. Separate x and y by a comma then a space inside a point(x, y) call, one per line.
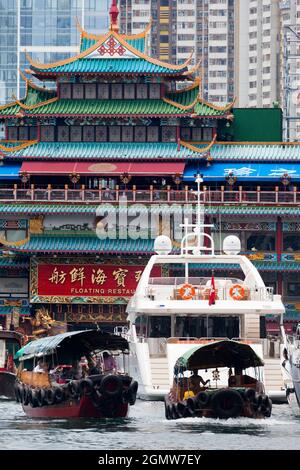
point(290, 67)
point(181, 27)
point(263, 53)
point(45, 29)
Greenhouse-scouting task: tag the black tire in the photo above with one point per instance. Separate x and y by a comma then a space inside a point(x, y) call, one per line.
point(86, 387)
point(202, 399)
point(180, 408)
point(174, 413)
point(191, 404)
point(250, 394)
point(132, 391)
point(73, 389)
point(25, 398)
point(19, 392)
point(32, 398)
point(40, 396)
point(168, 413)
point(268, 406)
point(50, 398)
point(227, 404)
point(59, 394)
point(111, 386)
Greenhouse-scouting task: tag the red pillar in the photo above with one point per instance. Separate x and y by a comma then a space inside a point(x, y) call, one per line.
point(279, 238)
point(279, 284)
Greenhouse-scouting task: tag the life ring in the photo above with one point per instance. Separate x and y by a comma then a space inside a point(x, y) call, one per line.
point(187, 291)
point(111, 386)
point(237, 292)
point(227, 404)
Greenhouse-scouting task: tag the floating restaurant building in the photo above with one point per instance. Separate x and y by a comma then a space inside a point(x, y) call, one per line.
point(120, 137)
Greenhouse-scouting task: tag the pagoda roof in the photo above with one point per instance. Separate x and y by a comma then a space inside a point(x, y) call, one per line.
point(186, 102)
point(106, 151)
point(111, 53)
point(218, 151)
point(34, 97)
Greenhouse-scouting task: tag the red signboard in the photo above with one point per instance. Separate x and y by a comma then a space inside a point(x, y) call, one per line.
point(84, 282)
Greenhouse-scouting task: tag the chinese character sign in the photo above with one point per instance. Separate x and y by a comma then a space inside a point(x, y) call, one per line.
point(84, 280)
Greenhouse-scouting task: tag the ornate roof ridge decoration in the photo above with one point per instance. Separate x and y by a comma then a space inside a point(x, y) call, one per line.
point(29, 84)
point(197, 149)
point(94, 47)
point(195, 84)
point(193, 70)
point(14, 244)
point(22, 145)
point(98, 37)
point(181, 106)
point(38, 105)
point(215, 107)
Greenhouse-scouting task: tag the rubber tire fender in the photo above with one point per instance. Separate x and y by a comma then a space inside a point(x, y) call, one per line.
point(18, 392)
point(202, 399)
point(40, 396)
point(168, 411)
point(86, 387)
point(59, 394)
point(110, 379)
point(191, 404)
point(32, 397)
point(73, 388)
point(25, 398)
point(180, 407)
point(174, 413)
point(236, 408)
point(132, 391)
point(250, 394)
point(50, 396)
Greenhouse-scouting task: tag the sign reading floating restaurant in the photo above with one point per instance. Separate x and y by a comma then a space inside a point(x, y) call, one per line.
point(83, 282)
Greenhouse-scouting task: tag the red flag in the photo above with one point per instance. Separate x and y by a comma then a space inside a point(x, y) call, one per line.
point(212, 293)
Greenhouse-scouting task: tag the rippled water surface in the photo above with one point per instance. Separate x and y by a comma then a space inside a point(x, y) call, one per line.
point(147, 429)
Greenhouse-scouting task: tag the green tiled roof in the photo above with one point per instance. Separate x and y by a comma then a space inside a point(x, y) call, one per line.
point(91, 207)
point(83, 244)
point(13, 263)
point(104, 151)
point(118, 66)
point(6, 310)
point(248, 152)
point(34, 96)
point(105, 107)
point(185, 97)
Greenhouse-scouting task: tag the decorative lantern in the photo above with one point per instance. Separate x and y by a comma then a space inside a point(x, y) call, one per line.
point(24, 177)
point(285, 179)
point(74, 177)
point(125, 178)
point(231, 179)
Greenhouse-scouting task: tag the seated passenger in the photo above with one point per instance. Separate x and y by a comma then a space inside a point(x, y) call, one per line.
point(41, 367)
point(109, 362)
point(195, 380)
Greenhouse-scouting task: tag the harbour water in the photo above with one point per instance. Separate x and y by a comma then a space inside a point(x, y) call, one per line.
point(147, 429)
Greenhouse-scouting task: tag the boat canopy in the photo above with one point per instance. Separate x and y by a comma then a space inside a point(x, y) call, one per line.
point(76, 343)
point(225, 353)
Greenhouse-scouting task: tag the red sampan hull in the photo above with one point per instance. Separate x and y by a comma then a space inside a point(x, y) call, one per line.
point(73, 408)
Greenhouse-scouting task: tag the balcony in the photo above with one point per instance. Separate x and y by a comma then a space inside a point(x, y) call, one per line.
point(237, 197)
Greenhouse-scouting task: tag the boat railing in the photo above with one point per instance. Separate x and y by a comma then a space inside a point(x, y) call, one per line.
point(228, 292)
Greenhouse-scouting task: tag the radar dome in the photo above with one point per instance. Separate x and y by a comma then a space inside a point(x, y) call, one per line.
point(162, 245)
point(232, 245)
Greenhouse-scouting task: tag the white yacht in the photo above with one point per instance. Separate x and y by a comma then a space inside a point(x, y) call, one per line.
point(170, 315)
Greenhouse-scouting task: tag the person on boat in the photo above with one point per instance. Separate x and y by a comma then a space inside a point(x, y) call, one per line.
point(41, 367)
point(109, 362)
point(195, 382)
